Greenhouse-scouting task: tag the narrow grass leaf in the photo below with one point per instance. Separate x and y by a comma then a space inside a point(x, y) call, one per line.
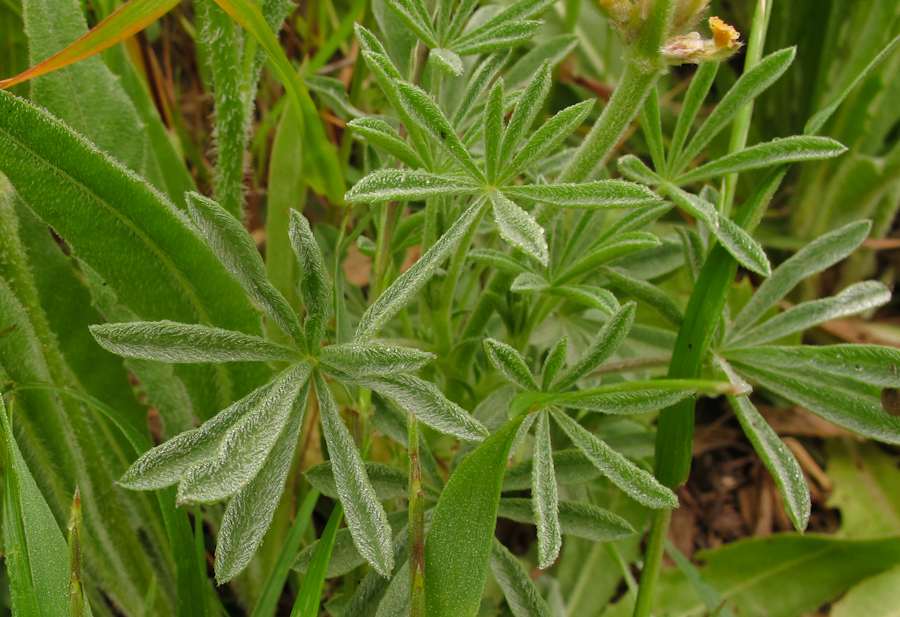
point(167, 341)
point(701, 82)
point(309, 599)
point(637, 483)
point(428, 404)
point(388, 482)
point(458, 545)
point(576, 519)
point(519, 228)
point(510, 363)
point(748, 87)
point(778, 152)
point(522, 596)
point(250, 511)
point(555, 362)
point(410, 282)
point(876, 365)
point(601, 349)
point(245, 450)
point(361, 361)
point(646, 292)
point(841, 401)
point(736, 241)
point(365, 516)
point(494, 131)
point(547, 138)
point(379, 133)
point(529, 105)
point(128, 20)
point(316, 289)
point(478, 82)
point(545, 499)
point(776, 456)
point(402, 185)
point(236, 250)
point(635, 169)
point(601, 194)
point(817, 256)
point(852, 301)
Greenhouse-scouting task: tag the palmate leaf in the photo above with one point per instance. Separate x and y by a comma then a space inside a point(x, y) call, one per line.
point(380, 133)
point(601, 349)
point(545, 500)
point(637, 483)
point(519, 228)
point(167, 341)
point(522, 596)
point(316, 290)
point(510, 363)
point(365, 516)
point(576, 519)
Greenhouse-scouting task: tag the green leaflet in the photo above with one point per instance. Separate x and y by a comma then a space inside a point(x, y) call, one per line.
point(401, 185)
point(545, 498)
point(601, 349)
point(600, 194)
point(380, 133)
point(530, 103)
point(609, 249)
point(458, 545)
point(549, 136)
point(361, 361)
point(647, 293)
point(555, 362)
point(701, 82)
point(494, 131)
point(316, 290)
point(519, 228)
point(576, 519)
point(414, 14)
point(521, 595)
point(483, 74)
point(388, 482)
point(510, 363)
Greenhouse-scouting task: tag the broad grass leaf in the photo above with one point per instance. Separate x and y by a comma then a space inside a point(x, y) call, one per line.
point(245, 450)
point(776, 456)
point(167, 341)
point(527, 108)
point(778, 152)
point(745, 90)
point(410, 282)
point(519, 228)
point(851, 301)
point(582, 520)
point(236, 250)
point(510, 363)
point(601, 349)
point(361, 361)
point(551, 134)
point(316, 290)
point(817, 256)
point(380, 133)
point(545, 499)
point(402, 185)
point(250, 511)
point(522, 596)
point(637, 483)
point(600, 194)
point(458, 545)
point(365, 516)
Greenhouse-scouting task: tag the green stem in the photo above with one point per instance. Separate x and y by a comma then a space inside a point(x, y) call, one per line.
point(416, 525)
point(383, 251)
point(656, 546)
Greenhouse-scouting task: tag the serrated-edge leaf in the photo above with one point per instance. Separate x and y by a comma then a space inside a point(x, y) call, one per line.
point(851, 301)
point(316, 289)
point(361, 361)
point(775, 455)
point(244, 450)
point(365, 516)
point(518, 588)
point(519, 228)
point(527, 108)
point(549, 136)
point(380, 133)
point(510, 363)
point(747, 87)
point(739, 244)
point(458, 545)
point(777, 152)
point(601, 349)
point(401, 185)
point(576, 519)
point(428, 404)
point(168, 341)
point(236, 250)
point(821, 253)
point(250, 511)
point(599, 194)
point(545, 499)
point(410, 282)
point(637, 483)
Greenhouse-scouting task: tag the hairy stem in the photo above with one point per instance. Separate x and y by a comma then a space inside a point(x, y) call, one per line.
point(416, 525)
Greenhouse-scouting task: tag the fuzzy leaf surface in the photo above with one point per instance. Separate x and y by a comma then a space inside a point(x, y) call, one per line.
point(519, 228)
point(549, 136)
point(316, 289)
point(601, 349)
point(510, 363)
point(380, 133)
point(601, 194)
point(545, 499)
point(361, 361)
point(402, 185)
point(388, 482)
point(577, 519)
point(522, 596)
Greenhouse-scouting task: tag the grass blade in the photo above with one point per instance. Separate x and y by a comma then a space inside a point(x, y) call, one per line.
point(310, 596)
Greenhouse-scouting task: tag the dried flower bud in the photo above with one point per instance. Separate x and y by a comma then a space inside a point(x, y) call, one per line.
point(692, 48)
point(687, 14)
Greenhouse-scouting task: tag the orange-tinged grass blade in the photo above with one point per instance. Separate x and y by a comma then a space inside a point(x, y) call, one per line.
point(127, 20)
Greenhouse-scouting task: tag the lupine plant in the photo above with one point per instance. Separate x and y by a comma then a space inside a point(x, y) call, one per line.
point(565, 301)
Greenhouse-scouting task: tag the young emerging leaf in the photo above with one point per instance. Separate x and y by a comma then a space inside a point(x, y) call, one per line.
point(510, 363)
point(316, 290)
point(601, 194)
point(544, 495)
point(519, 228)
point(380, 133)
point(604, 346)
point(640, 485)
point(556, 360)
point(236, 250)
point(361, 361)
point(167, 341)
point(818, 255)
point(402, 185)
point(365, 516)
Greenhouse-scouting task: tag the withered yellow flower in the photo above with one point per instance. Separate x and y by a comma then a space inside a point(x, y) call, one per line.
point(725, 36)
